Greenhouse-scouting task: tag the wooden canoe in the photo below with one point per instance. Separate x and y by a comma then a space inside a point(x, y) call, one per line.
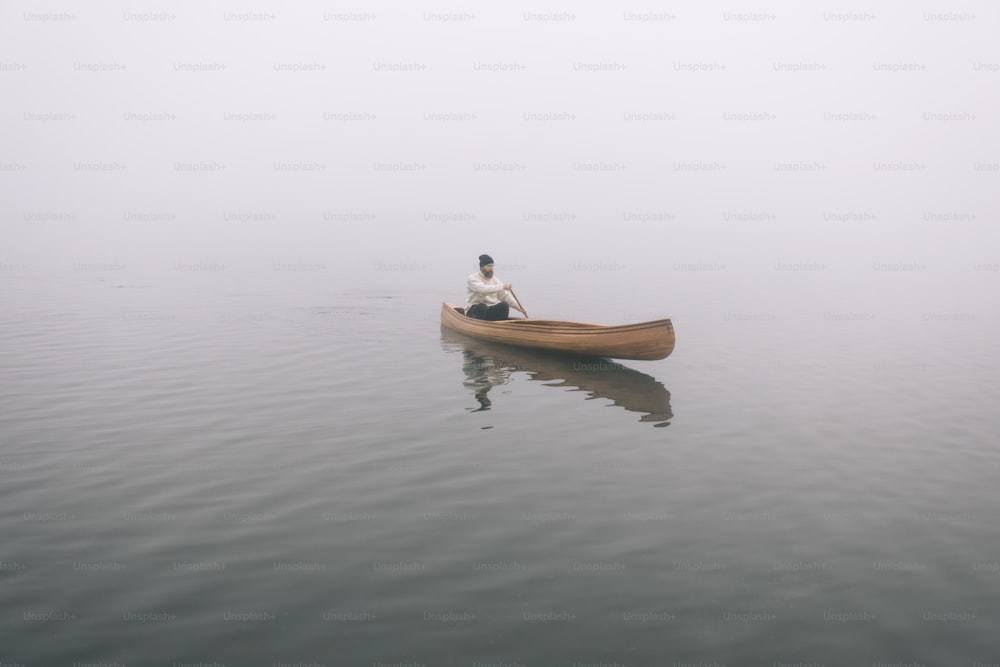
point(645, 341)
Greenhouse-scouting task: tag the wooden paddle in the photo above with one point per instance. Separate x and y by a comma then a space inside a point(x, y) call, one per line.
point(518, 303)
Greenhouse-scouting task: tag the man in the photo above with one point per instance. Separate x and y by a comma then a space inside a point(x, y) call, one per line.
point(489, 299)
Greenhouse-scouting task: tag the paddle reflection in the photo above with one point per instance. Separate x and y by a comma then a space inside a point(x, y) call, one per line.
point(487, 365)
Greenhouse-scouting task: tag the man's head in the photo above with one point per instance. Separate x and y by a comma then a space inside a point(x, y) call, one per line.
point(486, 265)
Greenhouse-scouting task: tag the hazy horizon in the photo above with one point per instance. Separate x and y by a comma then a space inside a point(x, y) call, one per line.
point(866, 133)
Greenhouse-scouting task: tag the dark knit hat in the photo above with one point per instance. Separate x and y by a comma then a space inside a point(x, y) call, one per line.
point(484, 260)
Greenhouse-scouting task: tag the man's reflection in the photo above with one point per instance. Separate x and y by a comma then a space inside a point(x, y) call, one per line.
point(487, 365)
point(482, 373)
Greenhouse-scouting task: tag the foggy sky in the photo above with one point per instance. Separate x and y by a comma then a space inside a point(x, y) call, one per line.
point(557, 137)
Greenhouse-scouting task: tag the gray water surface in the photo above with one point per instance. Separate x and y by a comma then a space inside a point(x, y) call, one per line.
point(257, 474)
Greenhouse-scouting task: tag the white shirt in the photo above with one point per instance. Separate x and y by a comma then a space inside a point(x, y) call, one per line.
point(488, 291)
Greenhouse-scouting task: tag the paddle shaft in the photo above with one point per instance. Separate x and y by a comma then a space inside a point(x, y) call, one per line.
point(518, 303)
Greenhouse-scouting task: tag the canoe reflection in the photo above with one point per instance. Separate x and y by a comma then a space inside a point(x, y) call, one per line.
point(487, 365)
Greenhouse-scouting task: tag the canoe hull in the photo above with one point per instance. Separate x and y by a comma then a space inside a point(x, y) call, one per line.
point(645, 341)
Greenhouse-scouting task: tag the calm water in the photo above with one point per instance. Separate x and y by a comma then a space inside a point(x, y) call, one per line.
point(250, 471)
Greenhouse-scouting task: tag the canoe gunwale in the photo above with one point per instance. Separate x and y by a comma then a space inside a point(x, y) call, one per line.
point(586, 327)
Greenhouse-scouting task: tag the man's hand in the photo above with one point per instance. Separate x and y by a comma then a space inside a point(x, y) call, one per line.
point(507, 286)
